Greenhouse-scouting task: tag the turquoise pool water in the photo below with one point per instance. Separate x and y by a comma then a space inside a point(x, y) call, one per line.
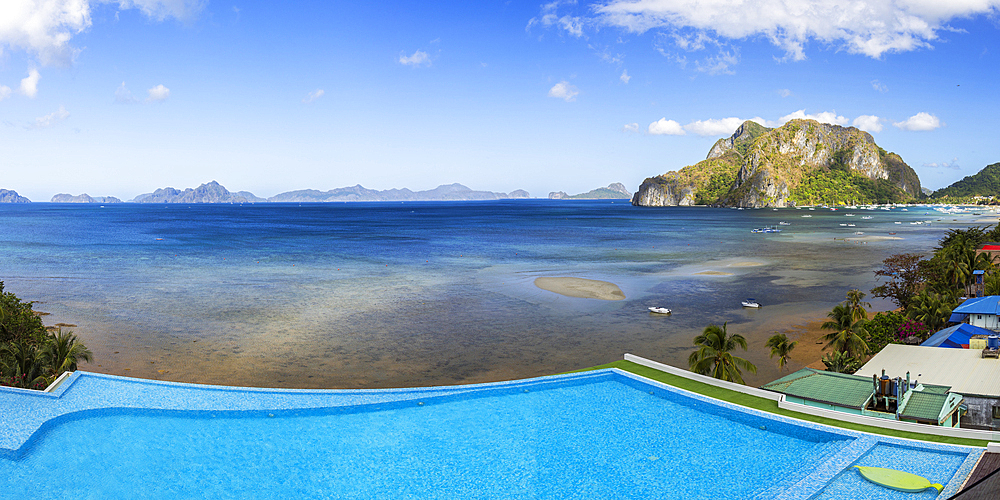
point(603, 435)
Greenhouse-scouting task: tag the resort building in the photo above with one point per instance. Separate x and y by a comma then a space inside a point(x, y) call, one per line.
point(983, 312)
point(964, 371)
point(876, 396)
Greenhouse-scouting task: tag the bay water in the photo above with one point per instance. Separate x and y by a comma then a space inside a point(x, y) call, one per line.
point(433, 293)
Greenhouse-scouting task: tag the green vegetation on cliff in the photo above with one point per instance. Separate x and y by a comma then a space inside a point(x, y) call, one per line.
point(986, 183)
point(801, 162)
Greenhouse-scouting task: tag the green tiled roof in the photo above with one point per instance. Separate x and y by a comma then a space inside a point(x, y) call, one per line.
point(838, 389)
point(936, 389)
point(924, 405)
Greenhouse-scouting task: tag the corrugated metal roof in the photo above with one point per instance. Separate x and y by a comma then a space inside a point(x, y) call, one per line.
point(827, 387)
point(923, 405)
point(962, 369)
point(955, 336)
point(989, 304)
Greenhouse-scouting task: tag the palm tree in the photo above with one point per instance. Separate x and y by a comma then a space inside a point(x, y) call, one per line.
point(847, 335)
point(855, 304)
point(22, 362)
point(63, 351)
point(714, 358)
point(781, 347)
point(840, 362)
point(930, 309)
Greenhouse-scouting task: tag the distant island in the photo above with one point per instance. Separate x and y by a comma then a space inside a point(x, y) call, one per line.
point(83, 198)
point(8, 196)
point(614, 191)
point(803, 162)
point(213, 192)
point(983, 187)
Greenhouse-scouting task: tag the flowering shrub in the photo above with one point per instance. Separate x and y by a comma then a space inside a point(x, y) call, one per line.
point(911, 328)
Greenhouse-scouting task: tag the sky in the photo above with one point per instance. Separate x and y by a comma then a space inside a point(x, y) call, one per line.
point(121, 97)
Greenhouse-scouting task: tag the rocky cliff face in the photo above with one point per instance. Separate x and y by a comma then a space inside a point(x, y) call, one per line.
point(8, 196)
point(764, 167)
point(83, 198)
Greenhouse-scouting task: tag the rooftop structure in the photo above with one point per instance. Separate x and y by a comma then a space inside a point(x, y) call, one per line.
point(871, 396)
point(965, 371)
point(957, 336)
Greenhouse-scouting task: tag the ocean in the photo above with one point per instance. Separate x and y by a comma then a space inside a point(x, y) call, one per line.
point(396, 294)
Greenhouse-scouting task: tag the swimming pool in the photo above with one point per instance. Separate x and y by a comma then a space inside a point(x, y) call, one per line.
point(598, 434)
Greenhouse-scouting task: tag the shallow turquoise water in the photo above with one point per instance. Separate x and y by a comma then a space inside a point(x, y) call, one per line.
point(604, 439)
point(404, 294)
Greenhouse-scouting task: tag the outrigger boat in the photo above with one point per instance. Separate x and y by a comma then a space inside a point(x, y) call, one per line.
point(659, 310)
point(750, 303)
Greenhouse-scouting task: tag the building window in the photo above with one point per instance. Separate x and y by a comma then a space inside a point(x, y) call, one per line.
point(979, 316)
point(996, 412)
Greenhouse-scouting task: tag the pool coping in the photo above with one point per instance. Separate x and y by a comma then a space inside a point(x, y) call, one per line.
point(27, 413)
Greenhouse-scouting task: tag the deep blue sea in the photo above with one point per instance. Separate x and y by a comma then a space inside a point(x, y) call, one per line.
point(431, 293)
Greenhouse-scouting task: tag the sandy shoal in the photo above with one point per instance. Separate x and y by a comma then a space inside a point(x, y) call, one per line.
point(714, 273)
point(581, 288)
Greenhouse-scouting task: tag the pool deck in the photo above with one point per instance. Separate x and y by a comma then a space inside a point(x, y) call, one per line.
point(25, 414)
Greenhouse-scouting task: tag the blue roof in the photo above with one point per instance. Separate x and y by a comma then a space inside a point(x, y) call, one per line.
point(980, 305)
point(955, 336)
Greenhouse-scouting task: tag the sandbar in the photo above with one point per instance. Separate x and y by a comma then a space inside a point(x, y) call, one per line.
point(746, 263)
point(715, 273)
point(581, 288)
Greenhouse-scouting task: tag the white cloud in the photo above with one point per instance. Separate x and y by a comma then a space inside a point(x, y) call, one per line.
point(919, 122)
point(625, 78)
point(124, 95)
point(664, 126)
point(418, 59)
point(44, 28)
point(784, 92)
point(868, 123)
point(830, 117)
point(158, 93)
point(879, 86)
point(869, 27)
point(29, 85)
point(719, 64)
point(549, 17)
point(4, 92)
point(563, 90)
point(723, 126)
point(312, 96)
point(50, 119)
point(952, 165)
point(631, 127)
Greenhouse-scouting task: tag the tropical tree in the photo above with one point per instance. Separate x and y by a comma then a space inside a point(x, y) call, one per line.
point(848, 335)
point(931, 309)
point(883, 330)
point(856, 305)
point(840, 362)
point(63, 351)
point(904, 277)
point(781, 347)
point(714, 356)
point(22, 365)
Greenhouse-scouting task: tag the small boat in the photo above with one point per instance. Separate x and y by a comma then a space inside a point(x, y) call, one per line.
point(750, 303)
point(783, 223)
point(897, 479)
point(843, 225)
point(867, 217)
point(807, 215)
point(848, 215)
point(897, 222)
point(659, 310)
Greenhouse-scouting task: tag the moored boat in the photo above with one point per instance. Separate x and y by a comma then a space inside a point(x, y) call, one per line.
point(659, 310)
point(750, 303)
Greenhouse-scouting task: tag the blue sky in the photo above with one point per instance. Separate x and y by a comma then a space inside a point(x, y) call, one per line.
point(123, 97)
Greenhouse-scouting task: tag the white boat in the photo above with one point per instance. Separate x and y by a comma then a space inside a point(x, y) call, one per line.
point(783, 223)
point(750, 303)
point(659, 310)
point(867, 217)
point(806, 216)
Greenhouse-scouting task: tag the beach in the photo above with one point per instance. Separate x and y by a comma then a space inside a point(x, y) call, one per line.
point(581, 288)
